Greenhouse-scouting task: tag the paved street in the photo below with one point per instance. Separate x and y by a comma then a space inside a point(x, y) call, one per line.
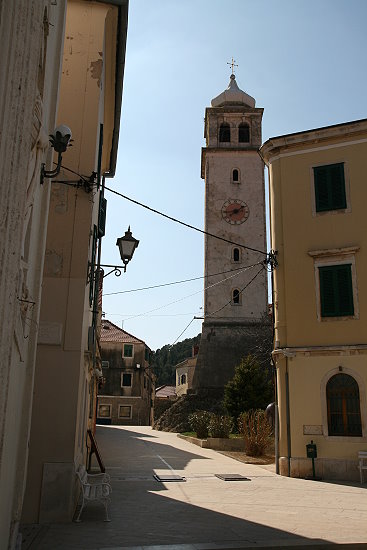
point(205, 512)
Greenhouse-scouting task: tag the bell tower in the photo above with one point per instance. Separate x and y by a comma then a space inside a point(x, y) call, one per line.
point(235, 296)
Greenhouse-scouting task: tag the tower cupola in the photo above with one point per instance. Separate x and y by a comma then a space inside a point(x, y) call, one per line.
point(233, 95)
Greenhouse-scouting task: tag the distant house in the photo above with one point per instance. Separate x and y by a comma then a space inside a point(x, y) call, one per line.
point(165, 396)
point(185, 373)
point(126, 396)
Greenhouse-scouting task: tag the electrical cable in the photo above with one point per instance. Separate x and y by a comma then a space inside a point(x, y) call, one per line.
point(86, 179)
point(184, 330)
point(172, 283)
point(211, 314)
point(240, 292)
point(193, 294)
point(184, 223)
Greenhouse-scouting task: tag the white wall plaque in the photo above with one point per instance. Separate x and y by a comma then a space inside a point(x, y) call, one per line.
point(309, 429)
point(50, 333)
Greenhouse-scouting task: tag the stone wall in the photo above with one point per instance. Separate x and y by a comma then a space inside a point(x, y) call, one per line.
point(223, 346)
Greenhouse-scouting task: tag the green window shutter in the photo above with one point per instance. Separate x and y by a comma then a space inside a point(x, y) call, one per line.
point(338, 186)
point(336, 290)
point(330, 187)
point(102, 217)
point(128, 350)
point(345, 287)
point(327, 292)
point(321, 189)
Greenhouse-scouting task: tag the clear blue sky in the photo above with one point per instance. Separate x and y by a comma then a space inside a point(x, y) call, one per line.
point(304, 61)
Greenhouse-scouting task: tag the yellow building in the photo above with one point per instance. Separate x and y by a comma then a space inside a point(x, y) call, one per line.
point(318, 196)
point(185, 373)
point(67, 362)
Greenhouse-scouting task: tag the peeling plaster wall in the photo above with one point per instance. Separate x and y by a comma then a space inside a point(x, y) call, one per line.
point(64, 358)
point(31, 49)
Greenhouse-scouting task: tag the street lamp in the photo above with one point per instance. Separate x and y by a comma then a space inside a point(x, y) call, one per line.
point(59, 141)
point(127, 245)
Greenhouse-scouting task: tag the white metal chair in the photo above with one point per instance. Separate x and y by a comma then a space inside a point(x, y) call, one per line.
point(94, 487)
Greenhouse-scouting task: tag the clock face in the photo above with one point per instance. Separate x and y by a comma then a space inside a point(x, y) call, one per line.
point(235, 211)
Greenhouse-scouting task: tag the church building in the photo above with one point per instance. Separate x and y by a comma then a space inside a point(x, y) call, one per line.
point(235, 296)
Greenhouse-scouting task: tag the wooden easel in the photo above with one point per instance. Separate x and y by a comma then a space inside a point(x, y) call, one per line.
point(94, 449)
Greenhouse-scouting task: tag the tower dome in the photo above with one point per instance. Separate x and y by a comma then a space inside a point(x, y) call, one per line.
point(233, 96)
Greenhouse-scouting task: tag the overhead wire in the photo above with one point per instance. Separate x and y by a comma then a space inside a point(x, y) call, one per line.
point(240, 292)
point(86, 179)
point(184, 223)
point(193, 294)
point(220, 309)
point(172, 283)
point(184, 330)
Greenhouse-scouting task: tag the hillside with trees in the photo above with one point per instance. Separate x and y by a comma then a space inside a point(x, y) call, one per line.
point(164, 359)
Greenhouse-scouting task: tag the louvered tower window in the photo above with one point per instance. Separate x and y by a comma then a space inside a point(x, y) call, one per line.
point(243, 133)
point(330, 187)
point(224, 132)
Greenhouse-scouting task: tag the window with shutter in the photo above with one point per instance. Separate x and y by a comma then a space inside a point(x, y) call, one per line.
point(343, 406)
point(126, 379)
point(336, 290)
point(330, 187)
point(128, 350)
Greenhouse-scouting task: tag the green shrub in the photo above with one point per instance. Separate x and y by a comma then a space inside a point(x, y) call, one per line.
point(199, 422)
point(256, 431)
point(220, 426)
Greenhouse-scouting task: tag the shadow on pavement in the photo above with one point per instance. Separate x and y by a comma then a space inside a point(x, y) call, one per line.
point(143, 515)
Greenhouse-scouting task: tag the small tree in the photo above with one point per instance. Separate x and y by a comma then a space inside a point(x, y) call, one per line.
point(250, 388)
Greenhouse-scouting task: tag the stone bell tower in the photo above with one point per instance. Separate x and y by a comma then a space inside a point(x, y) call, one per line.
point(235, 296)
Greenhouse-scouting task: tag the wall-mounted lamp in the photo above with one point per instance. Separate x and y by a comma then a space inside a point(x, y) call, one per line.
point(59, 141)
point(127, 246)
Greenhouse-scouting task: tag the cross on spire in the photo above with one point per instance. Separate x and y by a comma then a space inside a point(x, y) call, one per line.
point(233, 64)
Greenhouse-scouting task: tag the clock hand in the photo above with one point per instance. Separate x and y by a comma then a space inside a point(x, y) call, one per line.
point(236, 210)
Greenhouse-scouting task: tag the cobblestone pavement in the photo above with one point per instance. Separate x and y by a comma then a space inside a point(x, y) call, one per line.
point(205, 512)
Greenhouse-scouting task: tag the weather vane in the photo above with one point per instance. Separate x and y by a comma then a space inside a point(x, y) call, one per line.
point(233, 64)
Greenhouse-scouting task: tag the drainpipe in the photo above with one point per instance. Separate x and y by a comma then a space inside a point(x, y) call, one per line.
point(276, 412)
point(276, 417)
point(288, 416)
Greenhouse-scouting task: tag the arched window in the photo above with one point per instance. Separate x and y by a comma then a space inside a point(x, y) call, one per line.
point(343, 406)
point(236, 254)
point(236, 296)
point(224, 132)
point(235, 176)
point(243, 133)
point(183, 378)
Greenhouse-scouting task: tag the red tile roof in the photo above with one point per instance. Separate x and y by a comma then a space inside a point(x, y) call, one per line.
point(113, 333)
point(165, 391)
